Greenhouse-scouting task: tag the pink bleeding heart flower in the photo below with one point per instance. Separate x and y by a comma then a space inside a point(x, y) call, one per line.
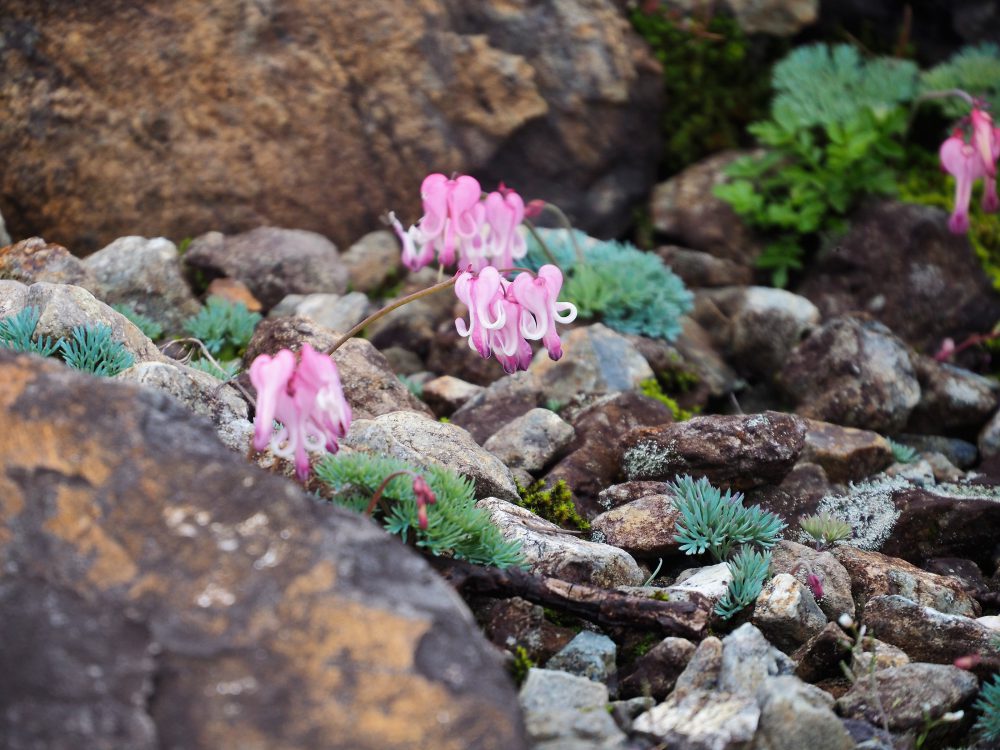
point(482, 294)
point(540, 308)
point(307, 401)
point(504, 214)
point(963, 162)
point(984, 140)
point(512, 351)
point(413, 258)
point(453, 214)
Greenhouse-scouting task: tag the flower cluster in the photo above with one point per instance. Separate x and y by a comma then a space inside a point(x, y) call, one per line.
point(459, 223)
point(970, 161)
point(307, 401)
point(505, 315)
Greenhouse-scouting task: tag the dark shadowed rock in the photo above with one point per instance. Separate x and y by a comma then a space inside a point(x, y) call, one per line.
point(370, 385)
point(854, 372)
point(513, 623)
point(684, 210)
point(951, 398)
point(272, 262)
point(156, 591)
point(699, 269)
point(502, 402)
point(733, 451)
point(900, 264)
point(34, 259)
point(655, 673)
point(593, 461)
point(317, 115)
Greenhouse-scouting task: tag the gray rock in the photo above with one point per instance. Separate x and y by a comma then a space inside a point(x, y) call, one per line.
point(4, 236)
point(566, 712)
point(702, 671)
point(951, 398)
point(500, 403)
point(699, 269)
point(415, 438)
point(710, 581)
point(853, 372)
point(33, 260)
point(446, 393)
point(531, 441)
point(748, 660)
point(697, 351)
point(702, 720)
point(795, 716)
point(877, 655)
point(655, 673)
point(909, 693)
point(549, 551)
point(787, 613)
point(595, 360)
point(961, 453)
point(63, 307)
point(988, 440)
point(589, 655)
point(773, 17)
point(373, 260)
point(739, 451)
point(146, 275)
point(926, 634)
point(757, 327)
point(338, 312)
point(644, 527)
point(202, 394)
point(272, 262)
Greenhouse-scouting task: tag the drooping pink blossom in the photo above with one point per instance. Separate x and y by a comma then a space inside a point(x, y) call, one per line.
point(452, 214)
point(505, 315)
point(503, 244)
point(815, 585)
point(963, 162)
point(307, 402)
point(984, 139)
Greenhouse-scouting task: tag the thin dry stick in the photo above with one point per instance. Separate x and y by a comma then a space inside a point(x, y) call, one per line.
point(208, 355)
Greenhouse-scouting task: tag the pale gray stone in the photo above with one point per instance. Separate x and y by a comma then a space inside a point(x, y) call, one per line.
point(566, 712)
point(702, 720)
point(339, 312)
point(795, 716)
point(530, 441)
point(589, 655)
point(787, 613)
point(748, 659)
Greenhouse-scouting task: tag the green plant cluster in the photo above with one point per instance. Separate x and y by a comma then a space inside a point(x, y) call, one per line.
point(627, 289)
point(825, 529)
point(225, 328)
point(554, 504)
point(903, 454)
point(988, 723)
point(456, 527)
point(520, 665)
point(90, 348)
point(651, 387)
point(715, 82)
point(715, 522)
point(835, 136)
point(749, 570)
point(149, 327)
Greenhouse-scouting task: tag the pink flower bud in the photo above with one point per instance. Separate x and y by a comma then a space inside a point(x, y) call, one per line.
point(969, 661)
point(815, 585)
point(424, 496)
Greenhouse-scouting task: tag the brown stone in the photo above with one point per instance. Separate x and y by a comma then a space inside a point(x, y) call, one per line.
point(874, 574)
point(699, 269)
point(656, 672)
point(951, 398)
point(900, 264)
point(370, 386)
point(233, 291)
point(821, 655)
point(846, 454)
point(643, 527)
point(156, 591)
point(516, 623)
point(34, 259)
point(739, 451)
point(315, 115)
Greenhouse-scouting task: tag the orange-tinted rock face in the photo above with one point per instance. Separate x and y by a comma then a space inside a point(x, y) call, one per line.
point(175, 118)
point(157, 591)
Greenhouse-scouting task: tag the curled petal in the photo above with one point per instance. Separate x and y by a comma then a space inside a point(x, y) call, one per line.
point(434, 192)
point(463, 200)
point(271, 377)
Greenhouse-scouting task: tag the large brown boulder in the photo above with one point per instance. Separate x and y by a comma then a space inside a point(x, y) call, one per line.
point(176, 118)
point(157, 591)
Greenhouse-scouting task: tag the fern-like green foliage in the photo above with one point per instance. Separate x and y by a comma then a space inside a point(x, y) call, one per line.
point(715, 522)
point(834, 137)
point(975, 70)
point(627, 289)
point(16, 333)
point(224, 327)
point(749, 569)
point(988, 723)
point(903, 454)
point(455, 527)
point(149, 327)
point(92, 349)
point(821, 85)
point(554, 504)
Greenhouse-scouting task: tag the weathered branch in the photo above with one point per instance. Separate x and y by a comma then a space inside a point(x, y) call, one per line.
point(688, 619)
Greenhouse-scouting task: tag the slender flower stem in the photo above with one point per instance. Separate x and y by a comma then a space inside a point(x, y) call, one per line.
point(942, 94)
point(446, 284)
point(381, 488)
point(538, 238)
point(568, 226)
